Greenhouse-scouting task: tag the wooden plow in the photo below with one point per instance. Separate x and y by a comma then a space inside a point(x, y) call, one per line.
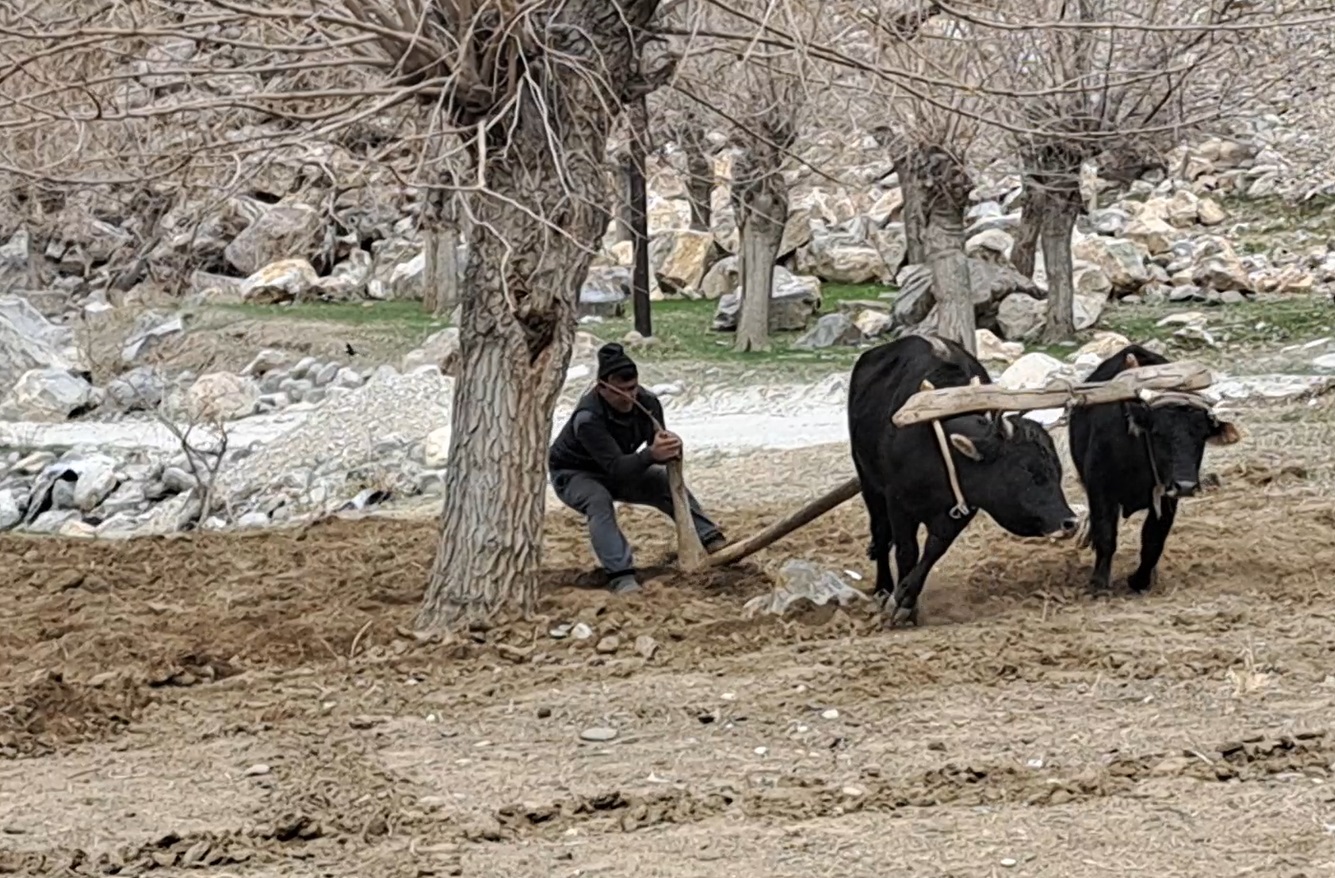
point(935, 404)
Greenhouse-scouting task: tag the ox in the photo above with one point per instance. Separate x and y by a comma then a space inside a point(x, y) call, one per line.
point(1138, 455)
point(1003, 464)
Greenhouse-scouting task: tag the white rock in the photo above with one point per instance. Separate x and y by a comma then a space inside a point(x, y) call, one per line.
point(47, 395)
point(96, 479)
point(1103, 345)
point(1034, 370)
point(436, 448)
point(219, 396)
point(10, 511)
point(991, 348)
point(282, 281)
point(598, 734)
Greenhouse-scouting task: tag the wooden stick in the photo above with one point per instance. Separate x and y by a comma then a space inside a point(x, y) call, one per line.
point(691, 554)
point(945, 402)
point(783, 527)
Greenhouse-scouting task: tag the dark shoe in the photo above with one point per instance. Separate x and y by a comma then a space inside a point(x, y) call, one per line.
point(623, 583)
point(714, 543)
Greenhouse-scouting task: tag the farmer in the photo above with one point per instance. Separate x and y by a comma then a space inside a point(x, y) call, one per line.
point(594, 461)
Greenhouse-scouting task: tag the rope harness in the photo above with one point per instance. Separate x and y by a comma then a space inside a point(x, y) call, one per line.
point(1157, 492)
point(961, 507)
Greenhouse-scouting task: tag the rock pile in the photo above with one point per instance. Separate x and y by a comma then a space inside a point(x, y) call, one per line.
point(346, 438)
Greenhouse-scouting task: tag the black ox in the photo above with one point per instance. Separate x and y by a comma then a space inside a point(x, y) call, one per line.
point(1133, 456)
point(1005, 465)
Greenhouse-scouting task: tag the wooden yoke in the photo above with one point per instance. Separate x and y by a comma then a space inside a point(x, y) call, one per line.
point(946, 402)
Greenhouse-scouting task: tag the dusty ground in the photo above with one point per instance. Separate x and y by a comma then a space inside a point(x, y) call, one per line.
point(257, 706)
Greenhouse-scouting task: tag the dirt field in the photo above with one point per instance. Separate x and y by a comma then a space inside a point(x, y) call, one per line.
point(256, 706)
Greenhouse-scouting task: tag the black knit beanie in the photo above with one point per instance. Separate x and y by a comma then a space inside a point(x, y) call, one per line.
point(612, 358)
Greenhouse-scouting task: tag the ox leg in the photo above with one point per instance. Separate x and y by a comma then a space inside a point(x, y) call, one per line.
point(941, 532)
point(1153, 535)
point(1103, 537)
point(878, 515)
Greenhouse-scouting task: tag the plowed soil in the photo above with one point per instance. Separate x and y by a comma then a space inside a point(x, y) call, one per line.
point(258, 706)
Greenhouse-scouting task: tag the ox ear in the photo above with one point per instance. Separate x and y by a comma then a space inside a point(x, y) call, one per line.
point(1223, 433)
point(1132, 362)
point(1007, 425)
point(964, 445)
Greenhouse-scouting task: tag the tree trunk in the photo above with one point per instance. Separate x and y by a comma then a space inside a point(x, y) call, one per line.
point(1026, 237)
point(440, 280)
point(946, 185)
point(915, 211)
point(699, 179)
point(1055, 233)
point(762, 196)
point(532, 236)
point(639, 221)
point(625, 208)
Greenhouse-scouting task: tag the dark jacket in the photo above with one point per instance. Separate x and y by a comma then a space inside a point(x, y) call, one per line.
point(599, 439)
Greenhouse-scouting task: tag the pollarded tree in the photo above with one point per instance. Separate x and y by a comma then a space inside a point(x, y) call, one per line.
point(936, 108)
point(1116, 84)
point(530, 89)
point(764, 88)
point(760, 201)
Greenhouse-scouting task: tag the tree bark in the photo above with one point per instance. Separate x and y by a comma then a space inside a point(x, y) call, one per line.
point(440, 281)
point(1055, 234)
point(762, 197)
point(1026, 237)
point(946, 185)
point(625, 182)
point(532, 238)
point(915, 213)
point(699, 178)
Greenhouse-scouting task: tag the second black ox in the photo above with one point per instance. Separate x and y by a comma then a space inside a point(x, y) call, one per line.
point(1005, 465)
point(1129, 455)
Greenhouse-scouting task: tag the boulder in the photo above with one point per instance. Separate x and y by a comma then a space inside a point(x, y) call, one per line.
point(1021, 316)
point(440, 349)
point(48, 395)
point(28, 341)
point(605, 292)
point(1035, 370)
point(282, 232)
point(992, 349)
point(285, 281)
point(221, 396)
point(831, 330)
point(1122, 261)
point(680, 258)
point(842, 264)
point(793, 299)
point(139, 389)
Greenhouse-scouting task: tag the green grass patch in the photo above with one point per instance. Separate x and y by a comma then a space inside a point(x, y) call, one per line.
point(682, 330)
point(408, 315)
point(683, 335)
point(1286, 320)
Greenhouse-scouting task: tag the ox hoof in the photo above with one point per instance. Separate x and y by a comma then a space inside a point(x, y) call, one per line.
point(904, 616)
point(1139, 583)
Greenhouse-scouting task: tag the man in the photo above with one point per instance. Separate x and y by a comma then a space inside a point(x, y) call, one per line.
point(594, 462)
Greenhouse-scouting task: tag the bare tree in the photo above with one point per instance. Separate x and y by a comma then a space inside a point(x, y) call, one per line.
point(763, 90)
point(1116, 84)
point(760, 199)
point(934, 126)
point(530, 90)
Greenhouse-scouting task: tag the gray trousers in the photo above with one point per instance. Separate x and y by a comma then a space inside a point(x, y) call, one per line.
point(592, 496)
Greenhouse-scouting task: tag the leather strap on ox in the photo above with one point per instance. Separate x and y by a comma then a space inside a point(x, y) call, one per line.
point(961, 508)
